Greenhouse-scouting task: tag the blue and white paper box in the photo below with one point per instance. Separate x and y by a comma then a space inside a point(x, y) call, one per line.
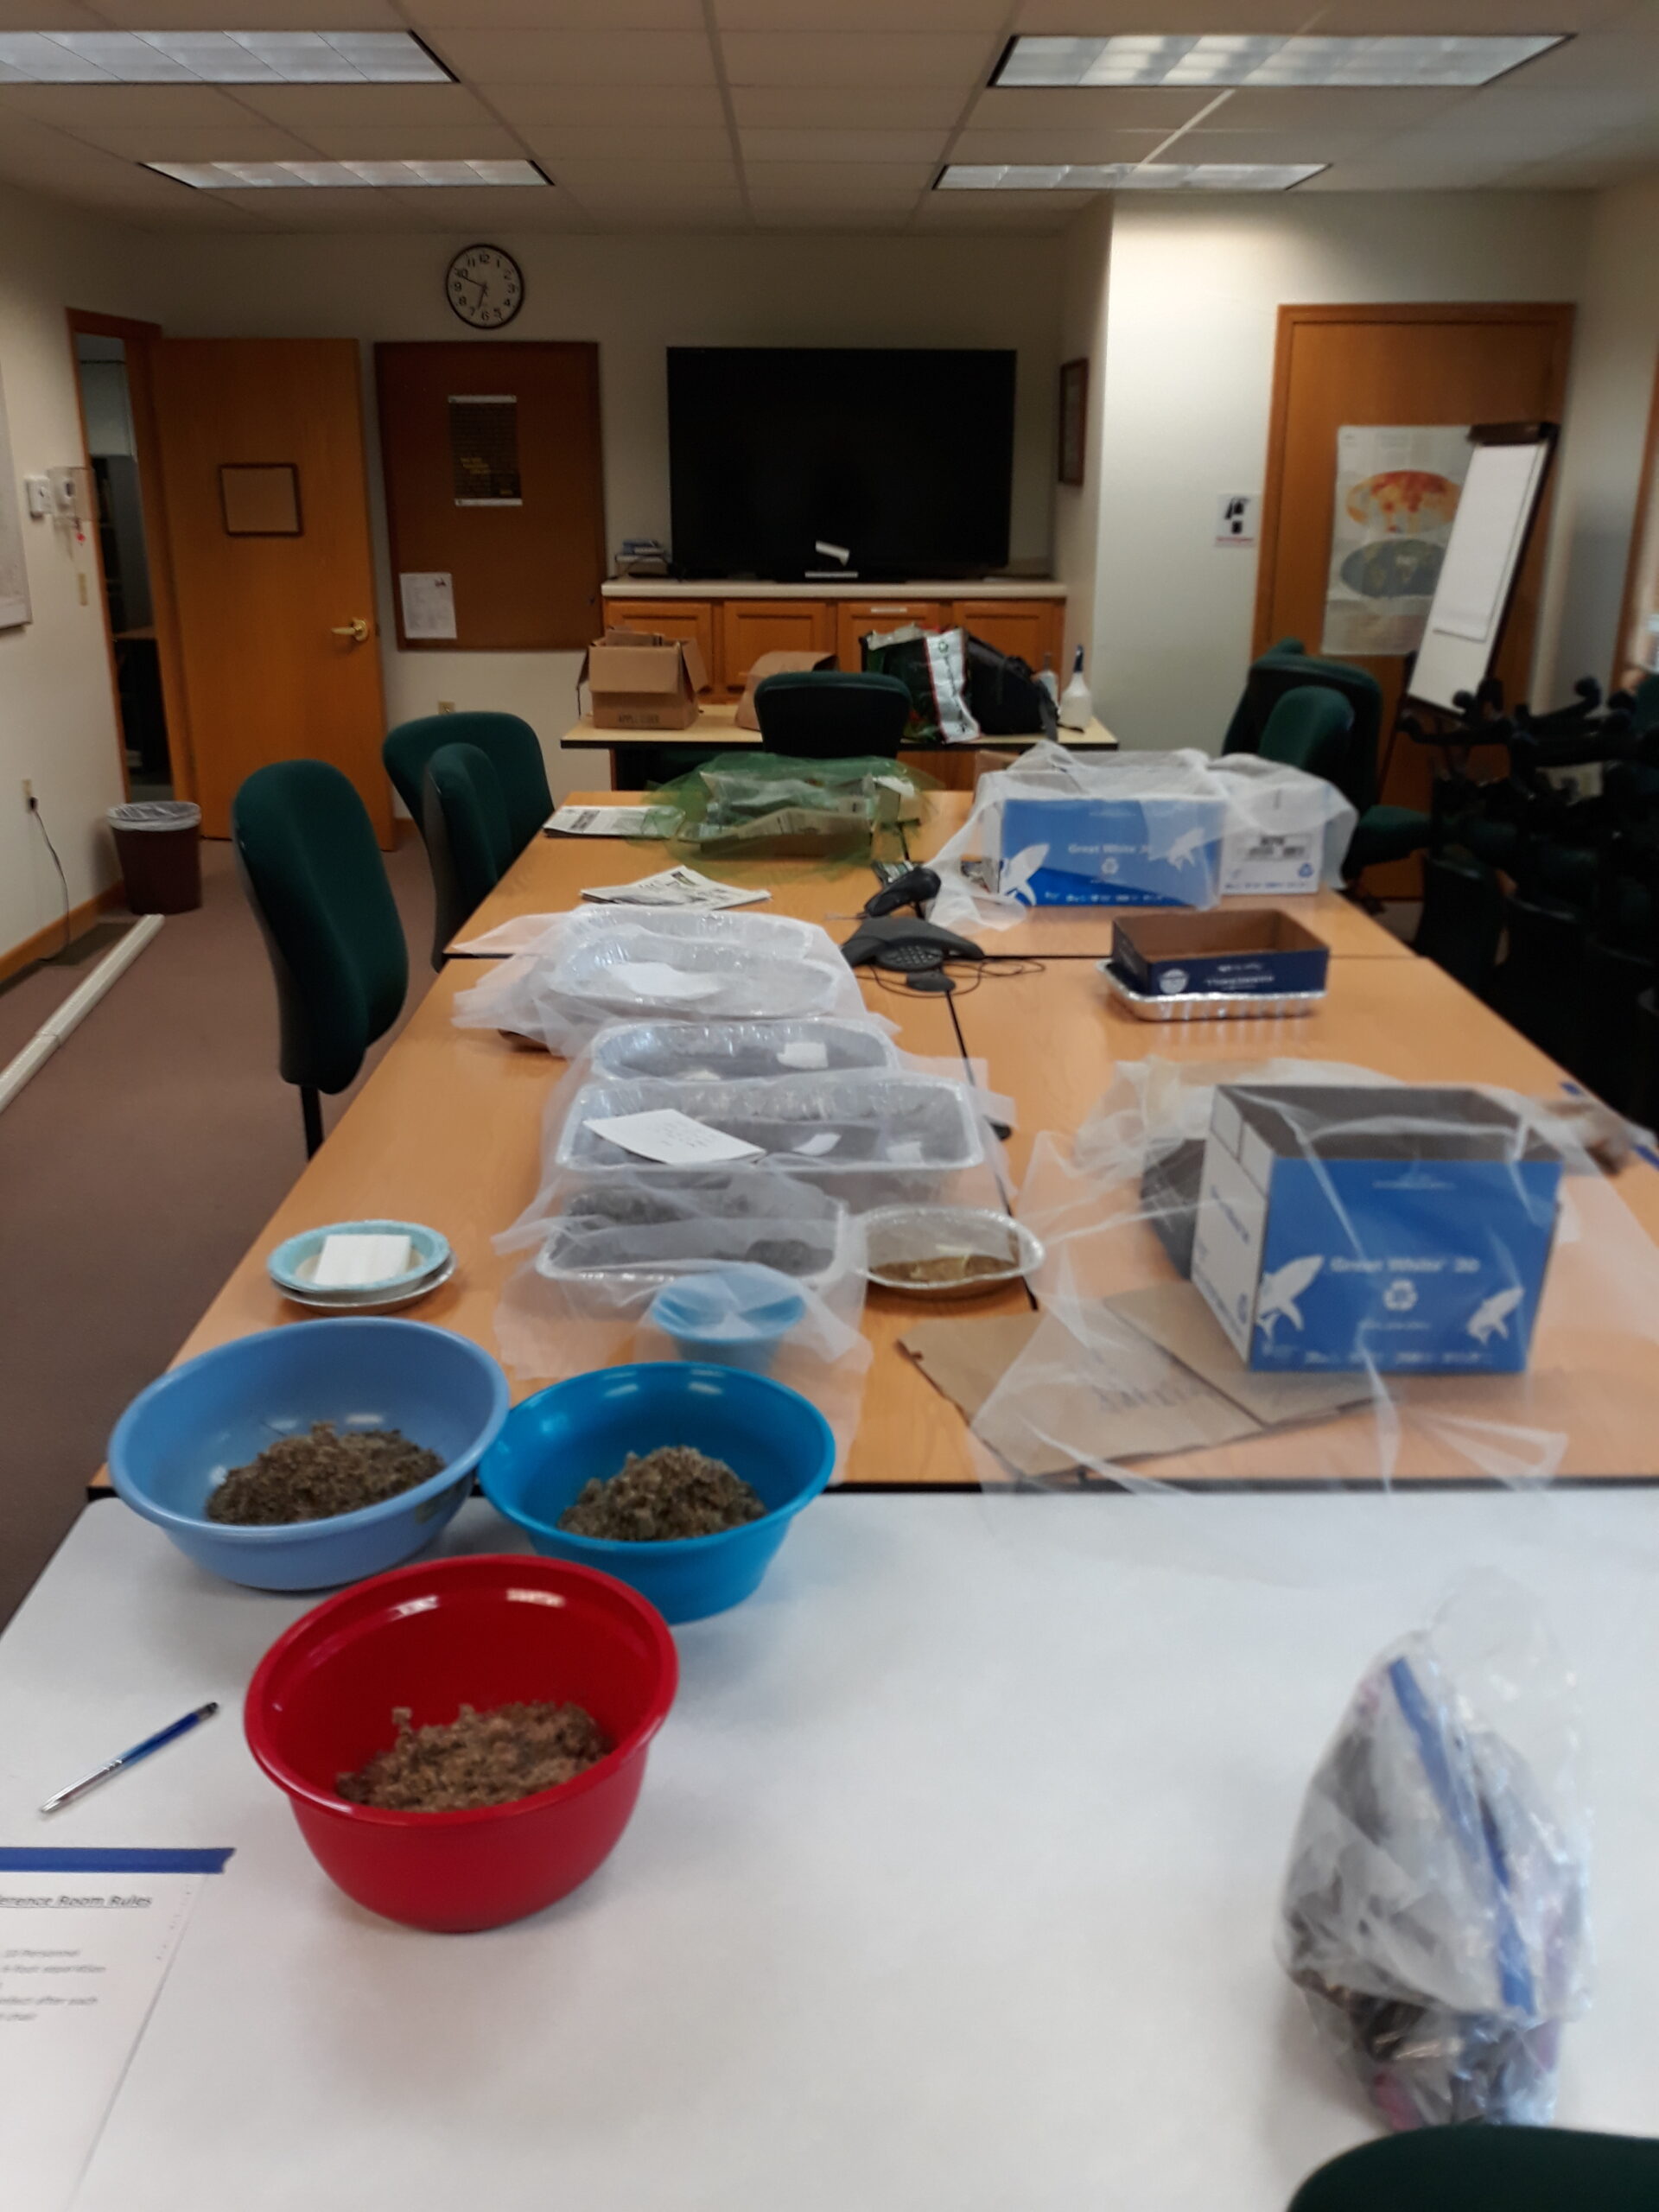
point(1263, 954)
point(1147, 850)
point(1400, 1228)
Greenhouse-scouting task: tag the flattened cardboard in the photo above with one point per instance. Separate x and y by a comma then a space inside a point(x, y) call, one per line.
point(1178, 1318)
point(777, 664)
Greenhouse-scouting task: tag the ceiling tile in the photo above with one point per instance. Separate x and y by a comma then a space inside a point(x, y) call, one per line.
point(413, 142)
point(49, 16)
point(1308, 142)
point(1000, 211)
point(596, 106)
point(68, 106)
point(1527, 114)
point(1375, 176)
point(1082, 16)
point(1074, 144)
point(556, 15)
point(851, 222)
point(640, 181)
point(833, 180)
point(1155, 107)
point(587, 143)
point(1454, 18)
point(321, 107)
point(948, 58)
point(1343, 107)
point(713, 222)
point(47, 161)
point(1610, 61)
point(268, 15)
point(986, 15)
point(846, 107)
point(776, 145)
point(578, 57)
point(247, 141)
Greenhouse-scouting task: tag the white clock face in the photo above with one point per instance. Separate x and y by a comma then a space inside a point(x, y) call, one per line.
point(484, 286)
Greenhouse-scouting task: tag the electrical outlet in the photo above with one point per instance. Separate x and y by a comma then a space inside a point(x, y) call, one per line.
point(80, 586)
point(446, 706)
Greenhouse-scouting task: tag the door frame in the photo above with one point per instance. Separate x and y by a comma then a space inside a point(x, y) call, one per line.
point(139, 338)
point(1558, 313)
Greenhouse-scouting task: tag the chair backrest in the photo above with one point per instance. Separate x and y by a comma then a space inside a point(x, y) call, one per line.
point(468, 842)
point(831, 714)
point(1285, 669)
point(1308, 729)
point(511, 746)
point(1462, 920)
point(314, 875)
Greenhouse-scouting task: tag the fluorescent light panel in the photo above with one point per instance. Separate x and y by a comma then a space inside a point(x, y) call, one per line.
point(1264, 62)
point(217, 57)
point(1127, 176)
point(243, 176)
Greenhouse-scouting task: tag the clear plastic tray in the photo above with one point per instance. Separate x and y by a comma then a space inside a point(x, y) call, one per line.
point(760, 967)
point(645, 1228)
point(869, 1138)
point(690, 1052)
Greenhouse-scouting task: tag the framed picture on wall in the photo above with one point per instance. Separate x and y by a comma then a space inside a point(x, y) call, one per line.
point(1074, 404)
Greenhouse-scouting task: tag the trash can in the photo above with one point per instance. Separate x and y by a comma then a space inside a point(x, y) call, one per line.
point(158, 842)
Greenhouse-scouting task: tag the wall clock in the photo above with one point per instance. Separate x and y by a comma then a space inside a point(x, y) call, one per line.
point(484, 286)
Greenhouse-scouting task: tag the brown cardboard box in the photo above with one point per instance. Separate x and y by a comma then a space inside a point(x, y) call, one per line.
point(778, 664)
point(636, 680)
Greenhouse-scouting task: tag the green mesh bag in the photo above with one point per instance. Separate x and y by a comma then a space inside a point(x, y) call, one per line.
point(767, 806)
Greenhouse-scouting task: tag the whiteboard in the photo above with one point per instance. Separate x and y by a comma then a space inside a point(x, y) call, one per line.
point(1472, 595)
point(14, 572)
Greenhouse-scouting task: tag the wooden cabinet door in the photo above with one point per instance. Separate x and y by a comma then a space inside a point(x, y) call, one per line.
point(672, 618)
point(1029, 628)
point(1455, 363)
point(855, 618)
point(749, 628)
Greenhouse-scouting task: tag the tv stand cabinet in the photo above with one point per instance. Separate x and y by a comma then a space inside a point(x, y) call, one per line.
point(734, 623)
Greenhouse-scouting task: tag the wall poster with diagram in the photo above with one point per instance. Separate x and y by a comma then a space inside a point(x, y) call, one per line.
point(1397, 491)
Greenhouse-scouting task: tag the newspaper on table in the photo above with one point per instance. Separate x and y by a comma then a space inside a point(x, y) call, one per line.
point(679, 887)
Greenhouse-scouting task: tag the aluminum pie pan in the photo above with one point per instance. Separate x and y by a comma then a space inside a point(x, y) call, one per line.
point(1207, 1006)
point(934, 1230)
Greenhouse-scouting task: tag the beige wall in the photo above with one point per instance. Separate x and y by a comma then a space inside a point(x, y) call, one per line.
point(1195, 291)
point(636, 297)
point(1615, 351)
point(57, 714)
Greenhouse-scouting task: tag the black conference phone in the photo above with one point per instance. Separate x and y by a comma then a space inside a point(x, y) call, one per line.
point(901, 942)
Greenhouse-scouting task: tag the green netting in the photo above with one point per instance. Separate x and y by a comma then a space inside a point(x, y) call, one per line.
point(769, 806)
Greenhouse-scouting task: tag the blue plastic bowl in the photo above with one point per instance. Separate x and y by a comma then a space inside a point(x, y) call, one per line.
point(735, 1316)
point(558, 1441)
point(219, 1411)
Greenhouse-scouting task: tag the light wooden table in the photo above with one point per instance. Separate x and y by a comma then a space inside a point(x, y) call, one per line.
point(447, 1130)
point(716, 725)
point(1055, 1041)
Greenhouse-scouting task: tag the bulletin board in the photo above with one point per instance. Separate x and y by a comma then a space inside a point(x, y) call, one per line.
point(495, 503)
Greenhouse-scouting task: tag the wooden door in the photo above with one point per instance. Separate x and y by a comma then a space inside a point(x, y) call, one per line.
point(1028, 627)
point(749, 628)
point(671, 618)
point(261, 449)
point(491, 454)
point(856, 618)
point(1457, 364)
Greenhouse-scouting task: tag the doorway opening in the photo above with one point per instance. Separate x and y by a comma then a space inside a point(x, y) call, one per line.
point(129, 602)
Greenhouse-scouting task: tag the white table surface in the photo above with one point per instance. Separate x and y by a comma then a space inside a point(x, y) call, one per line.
point(952, 1884)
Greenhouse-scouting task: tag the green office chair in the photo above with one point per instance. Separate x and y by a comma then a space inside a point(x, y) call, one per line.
point(511, 747)
point(464, 817)
point(1309, 730)
point(305, 853)
point(832, 714)
point(1475, 2168)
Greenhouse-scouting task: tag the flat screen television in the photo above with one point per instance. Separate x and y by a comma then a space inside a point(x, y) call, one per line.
point(904, 457)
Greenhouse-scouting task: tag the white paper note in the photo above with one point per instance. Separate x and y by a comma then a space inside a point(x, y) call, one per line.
point(612, 822)
point(428, 601)
point(655, 980)
point(684, 887)
point(672, 1138)
point(354, 1257)
point(83, 1955)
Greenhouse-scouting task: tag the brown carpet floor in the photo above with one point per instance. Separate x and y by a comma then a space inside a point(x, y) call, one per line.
point(135, 1170)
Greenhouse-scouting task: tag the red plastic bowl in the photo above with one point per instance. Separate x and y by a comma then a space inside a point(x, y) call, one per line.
point(433, 1636)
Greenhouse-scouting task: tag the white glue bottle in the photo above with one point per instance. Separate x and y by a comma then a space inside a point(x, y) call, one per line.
point(1076, 701)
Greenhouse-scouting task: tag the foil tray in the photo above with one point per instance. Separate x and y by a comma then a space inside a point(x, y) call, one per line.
point(1207, 1006)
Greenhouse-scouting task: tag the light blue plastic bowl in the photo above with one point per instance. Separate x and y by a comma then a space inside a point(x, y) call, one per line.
point(219, 1411)
point(735, 1316)
point(559, 1440)
point(284, 1265)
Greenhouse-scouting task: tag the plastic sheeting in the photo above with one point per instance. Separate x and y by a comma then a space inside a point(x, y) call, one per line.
point(1132, 1379)
point(767, 806)
point(1203, 830)
point(1435, 1913)
point(590, 968)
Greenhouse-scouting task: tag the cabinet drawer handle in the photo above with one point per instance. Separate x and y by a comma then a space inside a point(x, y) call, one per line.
point(874, 609)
